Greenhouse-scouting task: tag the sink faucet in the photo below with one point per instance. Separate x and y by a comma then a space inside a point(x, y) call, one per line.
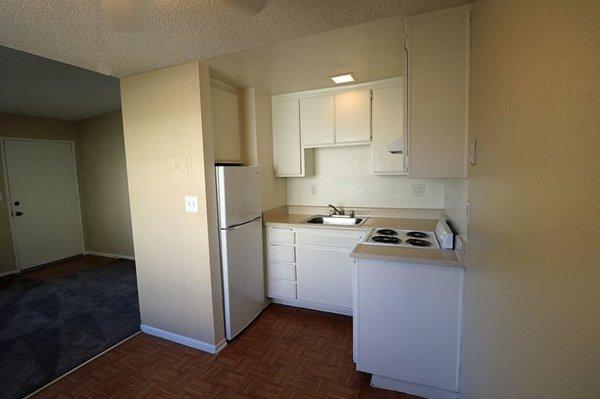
point(335, 210)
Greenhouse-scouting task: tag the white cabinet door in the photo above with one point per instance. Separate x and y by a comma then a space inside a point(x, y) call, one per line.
point(287, 154)
point(317, 120)
point(226, 125)
point(437, 91)
point(353, 117)
point(409, 322)
point(324, 276)
point(388, 126)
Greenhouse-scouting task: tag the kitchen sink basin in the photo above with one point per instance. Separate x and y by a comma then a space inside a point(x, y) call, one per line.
point(336, 220)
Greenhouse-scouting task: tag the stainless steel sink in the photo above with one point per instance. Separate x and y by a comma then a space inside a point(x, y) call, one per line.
point(336, 220)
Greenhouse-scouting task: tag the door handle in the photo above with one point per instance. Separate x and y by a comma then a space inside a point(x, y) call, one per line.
point(18, 213)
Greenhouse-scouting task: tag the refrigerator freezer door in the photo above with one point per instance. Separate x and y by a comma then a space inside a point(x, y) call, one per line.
point(239, 194)
point(243, 275)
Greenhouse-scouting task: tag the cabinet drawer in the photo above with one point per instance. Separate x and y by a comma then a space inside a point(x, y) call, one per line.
point(282, 289)
point(282, 271)
point(331, 239)
point(281, 253)
point(281, 235)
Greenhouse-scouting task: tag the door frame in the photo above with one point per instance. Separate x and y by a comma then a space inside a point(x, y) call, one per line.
point(3, 140)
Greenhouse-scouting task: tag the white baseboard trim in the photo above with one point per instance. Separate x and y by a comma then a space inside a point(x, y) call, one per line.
point(8, 273)
point(423, 391)
point(313, 306)
point(183, 340)
point(220, 346)
point(108, 254)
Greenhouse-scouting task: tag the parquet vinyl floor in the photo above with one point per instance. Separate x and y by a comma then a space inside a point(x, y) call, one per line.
point(286, 353)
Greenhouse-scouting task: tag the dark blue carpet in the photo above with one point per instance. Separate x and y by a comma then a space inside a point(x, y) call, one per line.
point(49, 327)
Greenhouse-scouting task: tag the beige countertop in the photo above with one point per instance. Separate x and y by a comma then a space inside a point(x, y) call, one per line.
point(380, 252)
point(386, 253)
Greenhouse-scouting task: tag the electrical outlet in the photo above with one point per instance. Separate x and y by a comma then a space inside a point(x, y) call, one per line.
point(191, 204)
point(418, 189)
point(313, 190)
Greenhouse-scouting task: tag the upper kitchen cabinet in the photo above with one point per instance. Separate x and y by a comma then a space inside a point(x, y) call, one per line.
point(288, 155)
point(339, 116)
point(353, 117)
point(334, 117)
point(226, 122)
point(317, 120)
point(437, 74)
point(388, 128)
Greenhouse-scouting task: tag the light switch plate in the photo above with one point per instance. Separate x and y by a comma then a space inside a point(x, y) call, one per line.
point(473, 151)
point(191, 204)
point(180, 166)
point(468, 211)
point(418, 189)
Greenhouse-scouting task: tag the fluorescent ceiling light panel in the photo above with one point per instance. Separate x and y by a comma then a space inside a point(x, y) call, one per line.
point(345, 78)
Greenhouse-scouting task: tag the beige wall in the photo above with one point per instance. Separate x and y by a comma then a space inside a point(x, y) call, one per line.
point(455, 204)
point(343, 177)
point(532, 319)
point(103, 184)
point(258, 145)
point(169, 152)
point(24, 127)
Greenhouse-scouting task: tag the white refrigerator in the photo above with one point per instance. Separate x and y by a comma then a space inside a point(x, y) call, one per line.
point(240, 227)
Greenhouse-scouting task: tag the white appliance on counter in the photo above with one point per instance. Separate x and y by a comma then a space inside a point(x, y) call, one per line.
point(240, 226)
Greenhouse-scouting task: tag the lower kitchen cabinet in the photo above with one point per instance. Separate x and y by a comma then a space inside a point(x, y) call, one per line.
point(282, 271)
point(311, 267)
point(281, 289)
point(324, 276)
point(281, 263)
point(407, 326)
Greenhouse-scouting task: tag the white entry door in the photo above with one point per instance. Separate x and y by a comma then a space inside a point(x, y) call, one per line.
point(42, 184)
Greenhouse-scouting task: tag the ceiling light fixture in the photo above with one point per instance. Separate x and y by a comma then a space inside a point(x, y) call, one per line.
point(345, 78)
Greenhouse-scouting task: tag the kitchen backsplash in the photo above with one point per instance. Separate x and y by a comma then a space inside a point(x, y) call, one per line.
point(343, 176)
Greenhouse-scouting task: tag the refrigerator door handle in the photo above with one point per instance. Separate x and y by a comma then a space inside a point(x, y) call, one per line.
point(237, 226)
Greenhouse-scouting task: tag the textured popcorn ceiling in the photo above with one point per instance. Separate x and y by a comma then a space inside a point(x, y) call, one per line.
point(371, 51)
point(75, 31)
